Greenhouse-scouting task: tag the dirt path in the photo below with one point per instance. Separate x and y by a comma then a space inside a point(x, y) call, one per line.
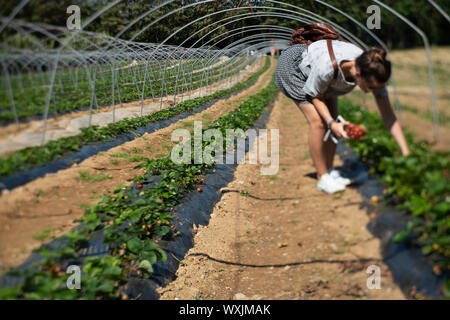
point(284, 239)
point(46, 207)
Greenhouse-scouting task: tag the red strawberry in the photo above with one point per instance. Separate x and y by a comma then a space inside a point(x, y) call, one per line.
point(139, 186)
point(356, 132)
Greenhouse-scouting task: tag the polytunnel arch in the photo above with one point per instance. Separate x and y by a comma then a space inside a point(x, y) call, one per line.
point(96, 70)
point(211, 14)
point(115, 42)
point(90, 19)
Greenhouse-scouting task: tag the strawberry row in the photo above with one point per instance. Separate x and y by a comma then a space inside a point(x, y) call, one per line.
point(31, 157)
point(418, 184)
point(132, 220)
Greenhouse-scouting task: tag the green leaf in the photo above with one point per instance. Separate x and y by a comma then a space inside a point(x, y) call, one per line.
point(68, 253)
point(400, 237)
point(443, 207)
point(426, 250)
point(150, 256)
point(149, 245)
point(162, 254)
point(8, 293)
point(163, 230)
point(112, 271)
point(146, 265)
point(140, 202)
point(136, 215)
point(106, 286)
point(446, 288)
point(135, 245)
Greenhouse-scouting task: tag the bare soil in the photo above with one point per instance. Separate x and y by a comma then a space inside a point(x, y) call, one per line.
point(283, 239)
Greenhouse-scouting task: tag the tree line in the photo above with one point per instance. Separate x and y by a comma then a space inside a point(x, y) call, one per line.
point(393, 31)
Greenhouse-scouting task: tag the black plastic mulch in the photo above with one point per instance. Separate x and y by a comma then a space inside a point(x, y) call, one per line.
point(410, 268)
point(195, 208)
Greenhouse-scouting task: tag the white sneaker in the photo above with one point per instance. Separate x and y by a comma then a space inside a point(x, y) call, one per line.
point(335, 174)
point(329, 185)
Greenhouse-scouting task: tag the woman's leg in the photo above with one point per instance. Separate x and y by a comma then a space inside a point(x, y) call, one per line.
point(330, 146)
point(317, 129)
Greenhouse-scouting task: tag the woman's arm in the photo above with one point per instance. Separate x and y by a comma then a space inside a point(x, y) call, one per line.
point(322, 109)
point(391, 123)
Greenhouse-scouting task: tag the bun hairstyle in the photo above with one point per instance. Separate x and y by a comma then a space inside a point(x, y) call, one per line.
point(372, 64)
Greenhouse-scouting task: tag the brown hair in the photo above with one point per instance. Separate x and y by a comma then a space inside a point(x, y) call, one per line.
point(372, 63)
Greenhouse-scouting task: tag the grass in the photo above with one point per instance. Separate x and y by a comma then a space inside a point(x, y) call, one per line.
point(40, 192)
point(442, 118)
point(126, 156)
point(166, 146)
point(207, 118)
point(188, 125)
point(244, 193)
point(45, 234)
point(338, 196)
point(89, 177)
point(84, 205)
point(93, 194)
point(119, 155)
point(136, 150)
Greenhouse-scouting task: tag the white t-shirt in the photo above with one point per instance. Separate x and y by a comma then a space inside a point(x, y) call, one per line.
point(321, 82)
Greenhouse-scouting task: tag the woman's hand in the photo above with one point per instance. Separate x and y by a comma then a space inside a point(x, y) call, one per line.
point(338, 129)
point(406, 152)
point(392, 124)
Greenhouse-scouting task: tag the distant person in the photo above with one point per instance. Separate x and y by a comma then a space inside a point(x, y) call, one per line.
point(306, 74)
point(272, 53)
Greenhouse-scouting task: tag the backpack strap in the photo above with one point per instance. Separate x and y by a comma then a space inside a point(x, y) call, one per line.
point(333, 58)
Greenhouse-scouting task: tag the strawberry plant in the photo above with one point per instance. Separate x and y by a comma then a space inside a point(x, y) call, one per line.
point(69, 97)
point(31, 157)
point(418, 184)
point(133, 220)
